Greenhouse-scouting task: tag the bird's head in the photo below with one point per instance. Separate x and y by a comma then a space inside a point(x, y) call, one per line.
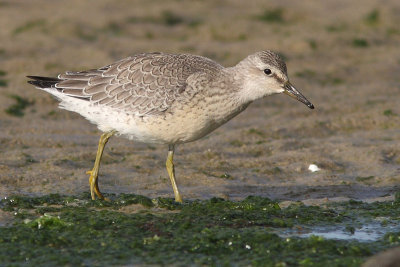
point(264, 73)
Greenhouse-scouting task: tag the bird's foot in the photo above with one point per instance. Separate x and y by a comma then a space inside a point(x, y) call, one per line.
point(178, 198)
point(94, 187)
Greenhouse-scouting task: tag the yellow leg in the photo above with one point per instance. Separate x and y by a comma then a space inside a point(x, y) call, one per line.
point(171, 173)
point(94, 187)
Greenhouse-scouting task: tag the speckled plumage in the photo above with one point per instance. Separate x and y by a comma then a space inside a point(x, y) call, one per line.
point(166, 98)
point(141, 85)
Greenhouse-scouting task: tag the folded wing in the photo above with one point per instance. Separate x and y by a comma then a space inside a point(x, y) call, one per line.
point(144, 84)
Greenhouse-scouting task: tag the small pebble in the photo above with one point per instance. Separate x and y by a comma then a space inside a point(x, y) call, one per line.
point(313, 168)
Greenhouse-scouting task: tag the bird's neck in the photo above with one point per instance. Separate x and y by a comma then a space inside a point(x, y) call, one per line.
point(243, 88)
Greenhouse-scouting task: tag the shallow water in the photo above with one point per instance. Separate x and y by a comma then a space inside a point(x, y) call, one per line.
point(255, 231)
point(366, 233)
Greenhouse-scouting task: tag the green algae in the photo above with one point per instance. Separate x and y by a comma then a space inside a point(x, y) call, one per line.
point(17, 109)
point(73, 230)
point(372, 18)
point(47, 221)
point(272, 16)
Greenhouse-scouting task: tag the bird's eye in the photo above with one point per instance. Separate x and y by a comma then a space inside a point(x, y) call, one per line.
point(267, 71)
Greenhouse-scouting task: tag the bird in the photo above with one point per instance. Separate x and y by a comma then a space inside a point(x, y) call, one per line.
point(164, 98)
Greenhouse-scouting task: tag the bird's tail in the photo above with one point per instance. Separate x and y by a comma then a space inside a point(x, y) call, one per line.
point(43, 82)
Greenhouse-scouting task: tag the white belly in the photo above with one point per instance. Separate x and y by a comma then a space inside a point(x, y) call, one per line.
point(180, 126)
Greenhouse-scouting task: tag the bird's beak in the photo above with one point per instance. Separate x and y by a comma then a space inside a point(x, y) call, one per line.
point(291, 91)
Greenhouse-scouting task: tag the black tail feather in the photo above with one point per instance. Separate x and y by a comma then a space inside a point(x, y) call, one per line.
point(43, 82)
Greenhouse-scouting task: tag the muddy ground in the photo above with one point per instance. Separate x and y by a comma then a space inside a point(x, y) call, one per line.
point(343, 56)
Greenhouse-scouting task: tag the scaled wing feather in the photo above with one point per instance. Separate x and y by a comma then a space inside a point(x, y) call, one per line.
point(144, 84)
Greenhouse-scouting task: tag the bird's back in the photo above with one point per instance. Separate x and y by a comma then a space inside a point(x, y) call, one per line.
point(142, 85)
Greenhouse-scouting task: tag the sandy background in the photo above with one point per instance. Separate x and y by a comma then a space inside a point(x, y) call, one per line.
point(344, 57)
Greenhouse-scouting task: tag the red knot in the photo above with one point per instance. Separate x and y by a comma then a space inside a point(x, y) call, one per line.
point(166, 98)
